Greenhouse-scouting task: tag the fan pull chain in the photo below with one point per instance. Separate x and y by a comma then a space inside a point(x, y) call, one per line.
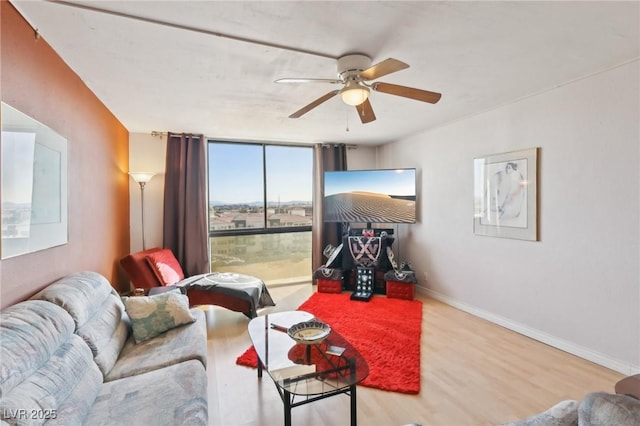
point(346, 111)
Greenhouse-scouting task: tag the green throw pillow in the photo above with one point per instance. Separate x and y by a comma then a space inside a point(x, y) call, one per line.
point(153, 315)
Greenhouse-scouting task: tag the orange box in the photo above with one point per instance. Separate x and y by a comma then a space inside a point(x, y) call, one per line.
point(329, 286)
point(399, 290)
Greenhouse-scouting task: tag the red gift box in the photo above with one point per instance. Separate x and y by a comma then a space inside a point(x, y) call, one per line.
point(400, 290)
point(329, 286)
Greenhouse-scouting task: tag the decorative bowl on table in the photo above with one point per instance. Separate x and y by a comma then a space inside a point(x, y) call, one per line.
point(309, 332)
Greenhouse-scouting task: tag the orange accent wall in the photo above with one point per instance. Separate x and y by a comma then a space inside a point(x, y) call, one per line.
point(36, 81)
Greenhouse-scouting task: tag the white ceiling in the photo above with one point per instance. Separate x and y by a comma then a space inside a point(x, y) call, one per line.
point(479, 55)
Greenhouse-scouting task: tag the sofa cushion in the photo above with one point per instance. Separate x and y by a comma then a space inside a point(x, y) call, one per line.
point(47, 372)
point(106, 333)
point(31, 332)
point(600, 408)
point(76, 407)
point(165, 266)
point(176, 395)
point(81, 294)
point(564, 413)
point(97, 311)
point(184, 343)
point(153, 315)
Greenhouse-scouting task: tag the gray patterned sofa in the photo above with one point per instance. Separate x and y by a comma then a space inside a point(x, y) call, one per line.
point(595, 409)
point(68, 356)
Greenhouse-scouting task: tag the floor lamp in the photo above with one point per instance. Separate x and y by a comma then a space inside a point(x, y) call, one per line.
point(142, 178)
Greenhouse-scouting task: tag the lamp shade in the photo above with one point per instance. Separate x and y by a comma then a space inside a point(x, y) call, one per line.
point(354, 94)
point(141, 177)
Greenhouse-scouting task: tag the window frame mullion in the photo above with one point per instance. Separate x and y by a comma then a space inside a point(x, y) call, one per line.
point(264, 186)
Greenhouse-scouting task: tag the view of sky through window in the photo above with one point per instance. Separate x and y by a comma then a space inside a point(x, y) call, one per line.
point(289, 174)
point(236, 174)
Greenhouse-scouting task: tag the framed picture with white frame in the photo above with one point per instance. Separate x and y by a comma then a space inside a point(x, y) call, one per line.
point(34, 185)
point(506, 195)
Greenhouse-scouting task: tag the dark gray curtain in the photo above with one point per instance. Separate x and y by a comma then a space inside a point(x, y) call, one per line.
point(325, 158)
point(185, 208)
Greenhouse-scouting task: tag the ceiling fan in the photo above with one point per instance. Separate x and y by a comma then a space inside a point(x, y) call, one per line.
point(354, 73)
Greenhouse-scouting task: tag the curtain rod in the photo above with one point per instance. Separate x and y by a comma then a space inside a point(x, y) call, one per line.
point(192, 29)
point(331, 145)
point(156, 133)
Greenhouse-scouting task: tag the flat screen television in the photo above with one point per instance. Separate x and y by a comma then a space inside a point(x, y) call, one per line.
point(370, 196)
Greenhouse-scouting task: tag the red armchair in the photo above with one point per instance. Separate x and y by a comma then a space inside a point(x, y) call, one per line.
point(140, 269)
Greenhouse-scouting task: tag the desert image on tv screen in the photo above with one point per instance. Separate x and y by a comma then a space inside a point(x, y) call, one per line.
point(370, 196)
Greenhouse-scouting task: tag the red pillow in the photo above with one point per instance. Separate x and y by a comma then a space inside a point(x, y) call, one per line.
point(165, 266)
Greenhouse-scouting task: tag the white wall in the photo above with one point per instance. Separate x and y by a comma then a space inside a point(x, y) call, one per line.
point(361, 158)
point(577, 288)
point(147, 154)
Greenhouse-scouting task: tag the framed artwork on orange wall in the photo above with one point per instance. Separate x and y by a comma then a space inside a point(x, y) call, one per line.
point(34, 185)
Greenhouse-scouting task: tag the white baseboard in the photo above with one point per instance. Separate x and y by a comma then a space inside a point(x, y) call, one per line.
point(565, 345)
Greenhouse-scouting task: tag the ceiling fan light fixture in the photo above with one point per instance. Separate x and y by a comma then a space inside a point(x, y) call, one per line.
point(354, 94)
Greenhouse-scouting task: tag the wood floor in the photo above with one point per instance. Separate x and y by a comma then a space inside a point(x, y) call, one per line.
point(473, 372)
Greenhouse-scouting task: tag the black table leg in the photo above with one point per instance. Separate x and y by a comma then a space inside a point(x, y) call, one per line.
point(287, 408)
point(259, 368)
point(354, 409)
point(352, 393)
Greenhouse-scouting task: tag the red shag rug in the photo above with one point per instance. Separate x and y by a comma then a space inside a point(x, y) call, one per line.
point(385, 331)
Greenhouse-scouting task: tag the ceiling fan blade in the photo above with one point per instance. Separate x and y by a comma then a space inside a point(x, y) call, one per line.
point(308, 80)
point(313, 104)
point(383, 68)
point(365, 112)
point(407, 92)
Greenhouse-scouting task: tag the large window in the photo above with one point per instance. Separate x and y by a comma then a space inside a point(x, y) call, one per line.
point(260, 209)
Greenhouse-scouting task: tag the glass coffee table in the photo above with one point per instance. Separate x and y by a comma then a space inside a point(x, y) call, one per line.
point(306, 372)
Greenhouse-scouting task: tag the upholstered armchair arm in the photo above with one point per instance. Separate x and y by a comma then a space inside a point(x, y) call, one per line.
point(138, 269)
